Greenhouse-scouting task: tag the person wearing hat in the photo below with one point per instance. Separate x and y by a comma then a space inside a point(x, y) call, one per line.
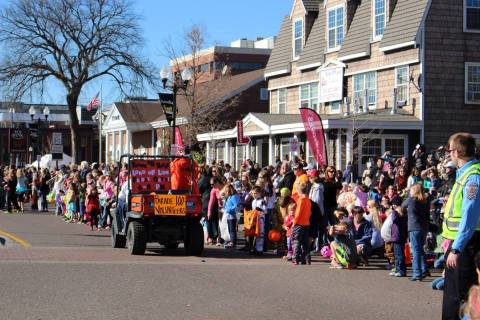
point(182, 177)
point(301, 177)
point(461, 224)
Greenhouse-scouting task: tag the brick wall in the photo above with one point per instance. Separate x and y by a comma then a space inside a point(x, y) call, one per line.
point(447, 48)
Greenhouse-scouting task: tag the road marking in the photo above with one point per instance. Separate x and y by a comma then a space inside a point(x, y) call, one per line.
point(20, 241)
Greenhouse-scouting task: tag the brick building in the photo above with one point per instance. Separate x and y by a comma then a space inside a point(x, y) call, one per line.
point(383, 74)
point(35, 137)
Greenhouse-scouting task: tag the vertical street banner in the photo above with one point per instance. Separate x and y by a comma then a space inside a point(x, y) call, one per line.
point(315, 134)
point(241, 139)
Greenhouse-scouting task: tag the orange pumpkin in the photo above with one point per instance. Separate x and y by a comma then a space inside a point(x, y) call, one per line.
point(274, 235)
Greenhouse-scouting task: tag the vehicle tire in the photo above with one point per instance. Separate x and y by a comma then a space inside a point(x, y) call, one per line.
point(136, 238)
point(194, 240)
point(118, 240)
point(171, 245)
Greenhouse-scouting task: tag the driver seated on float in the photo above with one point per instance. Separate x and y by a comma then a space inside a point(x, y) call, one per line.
point(182, 179)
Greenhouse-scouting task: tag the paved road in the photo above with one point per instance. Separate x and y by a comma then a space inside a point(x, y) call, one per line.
point(70, 272)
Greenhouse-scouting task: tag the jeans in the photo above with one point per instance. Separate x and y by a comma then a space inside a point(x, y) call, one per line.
point(399, 252)
point(417, 241)
point(232, 230)
point(301, 245)
point(289, 247)
point(121, 213)
point(103, 217)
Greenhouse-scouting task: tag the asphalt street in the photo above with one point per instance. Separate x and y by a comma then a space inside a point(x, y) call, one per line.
point(57, 270)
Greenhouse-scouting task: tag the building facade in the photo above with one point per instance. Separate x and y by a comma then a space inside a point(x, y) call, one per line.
point(383, 74)
point(23, 138)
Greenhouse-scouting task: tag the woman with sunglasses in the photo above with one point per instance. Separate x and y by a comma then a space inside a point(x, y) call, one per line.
point(331, 189)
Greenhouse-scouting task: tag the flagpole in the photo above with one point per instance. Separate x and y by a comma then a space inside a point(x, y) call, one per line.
point(100, 116)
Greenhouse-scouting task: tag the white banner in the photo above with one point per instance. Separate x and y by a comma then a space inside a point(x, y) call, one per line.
point(331, 84)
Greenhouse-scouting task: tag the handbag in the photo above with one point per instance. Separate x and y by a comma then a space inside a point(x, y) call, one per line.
point(224, 228)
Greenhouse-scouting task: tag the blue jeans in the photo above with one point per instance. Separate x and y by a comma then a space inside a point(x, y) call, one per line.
point(103, 218)
point(399, 252)
point(232, 230)
point(417, 241)
point(301, 246)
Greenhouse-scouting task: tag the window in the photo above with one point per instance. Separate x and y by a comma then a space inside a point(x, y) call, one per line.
point(297, 38)
point(240, 156)
point(379, 18)
point(335, 27)
point(220, 152)
point(263, 94)
point(472, 83)
point(335, 106)
point(372, 146)
point(203, 67)
point(362, 82)
point(282, 100)
point(309, 96)
point(401, 83)
point(285, 149)
point(471, 15)
point(245, 65)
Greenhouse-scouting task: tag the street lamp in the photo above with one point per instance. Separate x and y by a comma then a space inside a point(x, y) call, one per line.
point(46, 113)
point(169, 101)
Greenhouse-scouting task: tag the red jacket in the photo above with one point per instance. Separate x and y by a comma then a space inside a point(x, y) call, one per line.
point(92, 203)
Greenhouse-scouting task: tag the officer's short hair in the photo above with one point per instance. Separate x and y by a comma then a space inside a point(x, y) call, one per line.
point(464, 143)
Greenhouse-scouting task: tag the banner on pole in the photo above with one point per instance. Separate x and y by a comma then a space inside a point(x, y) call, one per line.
point(241, 139)
point(315, 134)
point(178, 137)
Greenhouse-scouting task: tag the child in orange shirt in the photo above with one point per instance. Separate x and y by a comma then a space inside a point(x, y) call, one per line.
point(301, 224)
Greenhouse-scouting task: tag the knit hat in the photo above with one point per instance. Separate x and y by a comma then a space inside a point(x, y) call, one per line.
point(285, 192)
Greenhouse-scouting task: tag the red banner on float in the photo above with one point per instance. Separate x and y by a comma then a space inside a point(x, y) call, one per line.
point(241, 139)
point(315, 134)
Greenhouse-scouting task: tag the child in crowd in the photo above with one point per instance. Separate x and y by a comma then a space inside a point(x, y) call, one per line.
point(344, 251)
point(386, 233)
point(71, 202)
point(399, 237)
point(230, 210)
point(82, 198)
point(288, 227)
point(92, 207)
point(301, 223)
point(259, 204)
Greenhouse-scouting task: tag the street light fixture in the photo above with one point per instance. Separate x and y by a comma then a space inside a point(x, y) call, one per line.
point(46, 113)
point(169, 101)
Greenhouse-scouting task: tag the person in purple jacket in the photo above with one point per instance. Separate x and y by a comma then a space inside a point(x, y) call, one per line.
point(399, 237)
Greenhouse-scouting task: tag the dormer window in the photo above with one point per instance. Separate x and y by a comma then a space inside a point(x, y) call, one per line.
point(471, 16)
point(297, 38)
point(335, 25)
point(378, 19)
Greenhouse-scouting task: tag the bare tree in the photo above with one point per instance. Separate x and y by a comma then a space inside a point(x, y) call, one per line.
point(74, 42)
point(206, 101)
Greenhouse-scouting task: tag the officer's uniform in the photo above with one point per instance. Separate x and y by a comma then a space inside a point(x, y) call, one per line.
point(462, 225)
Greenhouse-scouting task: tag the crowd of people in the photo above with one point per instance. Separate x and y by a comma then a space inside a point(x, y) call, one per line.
point(394, 209)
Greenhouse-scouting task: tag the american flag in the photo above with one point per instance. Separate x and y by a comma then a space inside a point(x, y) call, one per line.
point(94, 103)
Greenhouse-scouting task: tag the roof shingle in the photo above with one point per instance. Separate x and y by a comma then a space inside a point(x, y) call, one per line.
point(357, 40)
point(281, 56)
point(311, 5)
point(404, 24)
point(313, 53)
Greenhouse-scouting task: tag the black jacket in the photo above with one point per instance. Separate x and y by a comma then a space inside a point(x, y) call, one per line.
point(287, 181)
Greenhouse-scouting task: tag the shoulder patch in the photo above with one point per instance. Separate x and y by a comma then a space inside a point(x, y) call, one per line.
point(472, 189)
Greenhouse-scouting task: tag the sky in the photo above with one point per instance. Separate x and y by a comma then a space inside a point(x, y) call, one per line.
point(223, 20)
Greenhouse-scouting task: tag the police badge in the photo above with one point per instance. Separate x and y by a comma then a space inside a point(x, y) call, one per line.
point(472, 189)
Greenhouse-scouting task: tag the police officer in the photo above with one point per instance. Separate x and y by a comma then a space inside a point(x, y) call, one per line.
point(461, 225)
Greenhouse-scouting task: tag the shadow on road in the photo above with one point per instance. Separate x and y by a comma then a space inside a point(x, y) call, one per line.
point(216, 253)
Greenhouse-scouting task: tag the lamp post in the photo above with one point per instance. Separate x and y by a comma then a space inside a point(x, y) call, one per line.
point(169, 101)
point(46, 112)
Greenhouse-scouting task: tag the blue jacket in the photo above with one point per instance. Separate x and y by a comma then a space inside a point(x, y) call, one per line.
point(364, 233)
point(231, 204)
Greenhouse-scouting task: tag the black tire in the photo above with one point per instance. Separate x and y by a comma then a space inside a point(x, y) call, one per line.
point(194, 239)
point(136, 238)
point(118, 240)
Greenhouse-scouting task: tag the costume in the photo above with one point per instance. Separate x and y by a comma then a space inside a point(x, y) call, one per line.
point(181, 175)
